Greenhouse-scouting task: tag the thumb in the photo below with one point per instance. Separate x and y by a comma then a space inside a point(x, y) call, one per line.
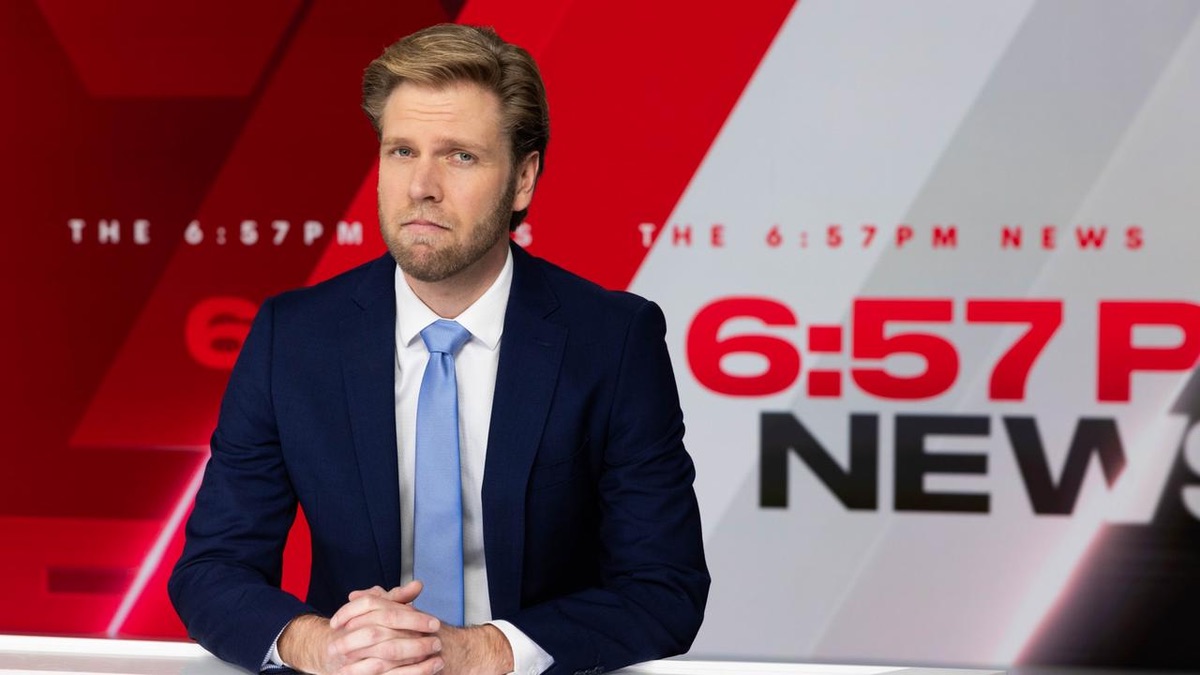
point(374, 590)
point(406, 593)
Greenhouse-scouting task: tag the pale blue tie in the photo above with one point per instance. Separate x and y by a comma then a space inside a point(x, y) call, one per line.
point(437, 514)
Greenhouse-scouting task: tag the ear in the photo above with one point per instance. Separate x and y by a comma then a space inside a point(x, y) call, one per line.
point(527, 172)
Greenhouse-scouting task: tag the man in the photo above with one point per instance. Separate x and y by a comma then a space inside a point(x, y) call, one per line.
point(563, 536)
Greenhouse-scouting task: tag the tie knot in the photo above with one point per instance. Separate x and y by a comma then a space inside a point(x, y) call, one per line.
point(446, 337)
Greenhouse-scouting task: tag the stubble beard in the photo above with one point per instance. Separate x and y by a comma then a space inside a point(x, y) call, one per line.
point(424, 261)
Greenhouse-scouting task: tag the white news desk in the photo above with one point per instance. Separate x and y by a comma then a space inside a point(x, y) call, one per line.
point(48, 655)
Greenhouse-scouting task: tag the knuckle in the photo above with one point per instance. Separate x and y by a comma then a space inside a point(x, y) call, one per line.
point(398, 617)
point(402, 650)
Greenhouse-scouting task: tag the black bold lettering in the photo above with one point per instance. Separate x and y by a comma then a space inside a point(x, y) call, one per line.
point(1092, 436)
point(855, 487)
point(913, 463)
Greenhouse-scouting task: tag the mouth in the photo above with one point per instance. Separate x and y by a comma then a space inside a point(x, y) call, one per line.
point(422, 224)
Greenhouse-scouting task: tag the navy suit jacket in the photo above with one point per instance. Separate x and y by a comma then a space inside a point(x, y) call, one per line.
point(591, 528)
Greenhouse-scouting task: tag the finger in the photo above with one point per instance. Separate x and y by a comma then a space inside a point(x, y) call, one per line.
point(384, 653)
point(359, 606)
point(395, 616)
point(370, 641)
point(426, 667)
point(367, 609)
point(351, 641)
point(370, 666)
point(374, 590)
point(400, 650)
point(374, 666)
point(406, 593)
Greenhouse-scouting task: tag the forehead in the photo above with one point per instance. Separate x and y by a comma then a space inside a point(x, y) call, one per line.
point(461, 108)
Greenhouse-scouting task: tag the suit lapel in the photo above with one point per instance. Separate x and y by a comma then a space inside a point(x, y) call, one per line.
point(531, 351)
point(369, 367)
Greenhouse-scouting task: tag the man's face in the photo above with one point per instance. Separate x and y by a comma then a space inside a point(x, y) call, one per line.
point(447, 187)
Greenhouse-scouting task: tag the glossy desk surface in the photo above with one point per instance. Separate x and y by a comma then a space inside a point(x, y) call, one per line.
point(47, 655)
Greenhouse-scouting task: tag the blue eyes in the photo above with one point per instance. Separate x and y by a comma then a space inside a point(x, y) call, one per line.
point(459, 157)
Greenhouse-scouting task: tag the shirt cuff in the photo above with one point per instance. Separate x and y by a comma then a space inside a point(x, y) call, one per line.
point(528, 657)
point(273, 661)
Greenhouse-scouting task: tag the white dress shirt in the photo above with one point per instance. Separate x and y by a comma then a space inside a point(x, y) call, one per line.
point(475, 371)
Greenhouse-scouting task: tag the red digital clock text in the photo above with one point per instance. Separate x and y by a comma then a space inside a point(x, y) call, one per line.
point(882, 328)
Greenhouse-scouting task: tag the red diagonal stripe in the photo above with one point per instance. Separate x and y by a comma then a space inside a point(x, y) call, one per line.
point(638, 92)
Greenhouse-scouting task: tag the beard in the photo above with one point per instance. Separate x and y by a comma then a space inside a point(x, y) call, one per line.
point(424, 261)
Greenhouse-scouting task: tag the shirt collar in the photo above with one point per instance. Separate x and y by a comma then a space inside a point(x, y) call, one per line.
point(484, 318)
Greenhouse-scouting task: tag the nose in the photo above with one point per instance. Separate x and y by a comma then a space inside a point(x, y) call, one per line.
point(425, 184)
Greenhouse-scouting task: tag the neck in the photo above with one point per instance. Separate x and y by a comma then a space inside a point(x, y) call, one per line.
point(453, 295)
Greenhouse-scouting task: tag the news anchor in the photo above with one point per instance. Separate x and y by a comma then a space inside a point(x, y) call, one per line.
point(488, 449)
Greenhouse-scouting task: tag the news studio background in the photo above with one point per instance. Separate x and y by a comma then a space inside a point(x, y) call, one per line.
point(929, 267)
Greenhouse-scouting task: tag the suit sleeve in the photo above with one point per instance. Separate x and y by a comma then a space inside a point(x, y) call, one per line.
point(655, 581)
point(225, 586)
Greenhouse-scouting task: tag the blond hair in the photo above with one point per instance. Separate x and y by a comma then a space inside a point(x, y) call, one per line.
point(447, 53)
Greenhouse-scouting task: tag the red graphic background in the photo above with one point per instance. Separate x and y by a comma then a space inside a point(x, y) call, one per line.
point(221, 112)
